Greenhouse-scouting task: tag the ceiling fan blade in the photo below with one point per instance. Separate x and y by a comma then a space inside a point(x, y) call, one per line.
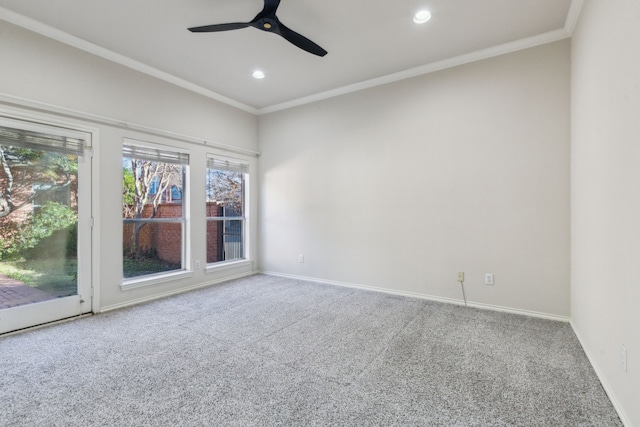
point(219, 27)
point(299, 40)
point(267, 21)
point(270, 6)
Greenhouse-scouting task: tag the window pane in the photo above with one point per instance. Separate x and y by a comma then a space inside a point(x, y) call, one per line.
point(159, 246)
point(225, 240)
point(38, 224)
point(152, 194)
point(225, 189)
point(225, 198)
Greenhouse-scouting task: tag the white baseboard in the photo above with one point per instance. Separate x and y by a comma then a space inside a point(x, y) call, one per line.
point(530, 313)
point(607, 388)
point(482, 306)
point(174, 292)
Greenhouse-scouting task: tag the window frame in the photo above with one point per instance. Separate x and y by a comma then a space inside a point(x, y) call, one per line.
point(183, 158)
point(242, 166)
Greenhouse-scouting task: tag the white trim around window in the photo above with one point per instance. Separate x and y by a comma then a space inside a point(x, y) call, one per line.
point(232, 216)
point(174, 157)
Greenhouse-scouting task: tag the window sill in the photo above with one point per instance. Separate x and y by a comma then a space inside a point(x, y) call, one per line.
point(154, 280)
point(229, 265)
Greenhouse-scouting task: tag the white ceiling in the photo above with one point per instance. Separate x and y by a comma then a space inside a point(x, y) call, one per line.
point(369, 41)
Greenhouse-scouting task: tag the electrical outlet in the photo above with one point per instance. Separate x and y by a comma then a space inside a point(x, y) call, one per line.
point(196, 264)
point(488, 279)
point(623, 357)
point(461, 276)
point(301, 258)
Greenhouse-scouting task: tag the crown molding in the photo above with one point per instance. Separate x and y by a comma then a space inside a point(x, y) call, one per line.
point(479, 55)
point(572, 16)
point(541, 39)
point(68, 39)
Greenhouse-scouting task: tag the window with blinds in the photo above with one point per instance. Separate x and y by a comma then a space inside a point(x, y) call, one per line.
point(38, 164)
point(226, 209)
point(153, 209)
point(25, 135)
point(40, 204)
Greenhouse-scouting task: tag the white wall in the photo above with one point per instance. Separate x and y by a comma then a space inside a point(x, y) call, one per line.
point(401, 186)
point(605, 289)
point(42, 70)
point(38, 68)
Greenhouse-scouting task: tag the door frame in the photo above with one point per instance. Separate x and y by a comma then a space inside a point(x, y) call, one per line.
point(88, 298)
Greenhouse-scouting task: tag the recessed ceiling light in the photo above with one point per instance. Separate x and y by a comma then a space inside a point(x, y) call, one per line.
point(258, 74)
point(422, 17)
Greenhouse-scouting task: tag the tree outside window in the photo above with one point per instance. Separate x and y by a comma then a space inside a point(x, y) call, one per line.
point(153, 219)
point(226, 218)
point(39, 208)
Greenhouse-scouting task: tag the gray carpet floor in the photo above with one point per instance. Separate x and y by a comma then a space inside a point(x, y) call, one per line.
point(264, 351)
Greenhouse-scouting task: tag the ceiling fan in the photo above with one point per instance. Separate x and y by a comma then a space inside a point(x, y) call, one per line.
point(267, 21)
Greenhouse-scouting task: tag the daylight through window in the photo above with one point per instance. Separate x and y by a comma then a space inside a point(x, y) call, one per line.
point(153, 211)
point(226, 218)
point(39, 195)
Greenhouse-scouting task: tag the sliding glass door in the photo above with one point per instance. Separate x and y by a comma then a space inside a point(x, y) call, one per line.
point(45, 224)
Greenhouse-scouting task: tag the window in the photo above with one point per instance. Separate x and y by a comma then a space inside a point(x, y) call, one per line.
point(154, 224)
point(153, 186)
point(39, 209)
point(226, 209)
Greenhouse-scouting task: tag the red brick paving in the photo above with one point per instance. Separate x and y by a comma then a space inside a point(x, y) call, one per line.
point(14, 293)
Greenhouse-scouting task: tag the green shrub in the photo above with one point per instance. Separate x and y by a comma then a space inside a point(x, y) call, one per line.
point(60, 242)
point(52, 219)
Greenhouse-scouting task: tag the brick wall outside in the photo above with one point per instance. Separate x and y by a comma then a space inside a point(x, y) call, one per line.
point(146, 233)
point(214, 233)
point(166, 238)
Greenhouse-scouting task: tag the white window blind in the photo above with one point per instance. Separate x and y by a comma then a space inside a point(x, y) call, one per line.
point(154, 154)
point(26, 138)
point(227, 165)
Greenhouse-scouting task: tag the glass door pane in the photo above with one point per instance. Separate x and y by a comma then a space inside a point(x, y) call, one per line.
point(40, 199)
